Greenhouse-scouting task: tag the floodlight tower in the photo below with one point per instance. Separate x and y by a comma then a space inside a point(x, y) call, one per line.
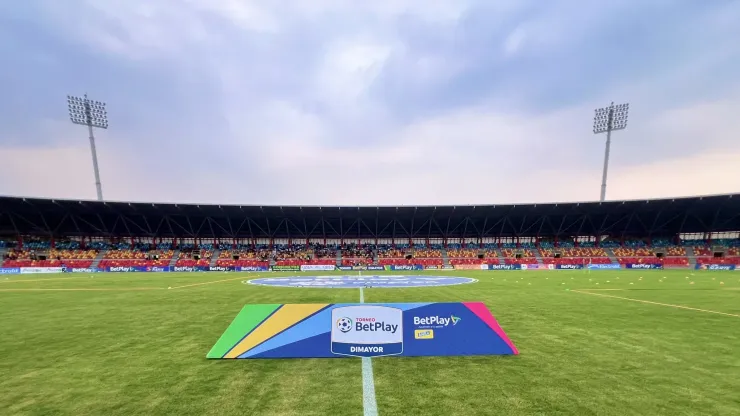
point(89, 113)
point(608, 119)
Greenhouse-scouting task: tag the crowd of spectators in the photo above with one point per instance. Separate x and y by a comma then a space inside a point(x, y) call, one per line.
point(136, 258)
point(462, 253)
point(353, 251)
point(385, 252)
point(321, 251)
point(244, 256)
point(574, 252)
point(356, 255)
point(68, 253)
point(426, 253)
point(576, 260)
point(514, 252)
point(44, 257)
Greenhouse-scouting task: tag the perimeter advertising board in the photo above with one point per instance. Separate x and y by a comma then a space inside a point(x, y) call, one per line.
point(504, 267)
point(643, 266)
point(251, 269)
point(285, 268)
point(362, 330)
point(471, 266)
point(82, 270)
point(42, 270)
point(130, 269)
point(715, 267)
point(405, 267)
point(604, 266)
point(537, 267)
point(317, 267)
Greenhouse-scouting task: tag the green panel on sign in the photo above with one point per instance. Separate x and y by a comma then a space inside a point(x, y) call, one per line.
point(249, 317)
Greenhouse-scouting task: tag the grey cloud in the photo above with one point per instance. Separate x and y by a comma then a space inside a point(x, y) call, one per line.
point(326, 103)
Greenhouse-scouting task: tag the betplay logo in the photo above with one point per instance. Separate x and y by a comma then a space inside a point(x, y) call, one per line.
point(436, 320)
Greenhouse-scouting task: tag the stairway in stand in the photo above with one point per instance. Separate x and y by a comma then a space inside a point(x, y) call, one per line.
point(98, 258)
point(538, 256)
point(445, 257)
point(500, 255)
point(611, 255)
point(214, 258)
point(691, 256)
point(175, 256)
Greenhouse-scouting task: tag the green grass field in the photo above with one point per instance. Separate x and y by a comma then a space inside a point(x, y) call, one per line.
point(124, 344)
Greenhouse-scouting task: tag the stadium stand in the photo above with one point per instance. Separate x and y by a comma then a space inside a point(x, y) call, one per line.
point(513, 255)
point(354, 255)
point(39, 257)
point(547, 231)
point(195, 257)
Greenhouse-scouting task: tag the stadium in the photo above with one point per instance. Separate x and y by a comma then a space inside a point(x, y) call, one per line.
point(111, 307)
point(383, 208)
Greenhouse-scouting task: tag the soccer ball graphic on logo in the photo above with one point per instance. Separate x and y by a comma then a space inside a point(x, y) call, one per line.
point(344, 324)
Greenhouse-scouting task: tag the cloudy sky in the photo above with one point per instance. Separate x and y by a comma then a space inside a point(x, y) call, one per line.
point(370, 102)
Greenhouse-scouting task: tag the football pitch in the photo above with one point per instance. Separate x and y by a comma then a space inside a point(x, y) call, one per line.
point(612, 342)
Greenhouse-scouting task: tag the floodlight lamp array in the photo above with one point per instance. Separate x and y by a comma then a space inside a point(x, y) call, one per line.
point(87, 112)
point(611, 118)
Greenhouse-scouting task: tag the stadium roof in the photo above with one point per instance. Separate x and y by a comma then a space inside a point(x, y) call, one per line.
point(643, 218)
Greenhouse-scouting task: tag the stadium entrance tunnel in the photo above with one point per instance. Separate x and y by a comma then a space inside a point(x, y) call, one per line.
point(354, 282)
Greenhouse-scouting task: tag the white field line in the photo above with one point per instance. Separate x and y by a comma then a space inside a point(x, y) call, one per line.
point(658, 303)
point(369, 404)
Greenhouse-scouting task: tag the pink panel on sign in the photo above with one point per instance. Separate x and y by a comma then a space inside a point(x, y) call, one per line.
point(480, 310)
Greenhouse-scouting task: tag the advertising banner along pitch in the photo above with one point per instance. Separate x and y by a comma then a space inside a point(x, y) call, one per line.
point(362, 330)
point(715, 267)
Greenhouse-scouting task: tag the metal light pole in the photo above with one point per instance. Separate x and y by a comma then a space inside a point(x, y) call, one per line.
point(89, 113)
point(608, 119)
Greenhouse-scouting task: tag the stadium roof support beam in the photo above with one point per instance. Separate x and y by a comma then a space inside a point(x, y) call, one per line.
point(159, 226)
point(315, 226)
point(653, 226)
point(645, 228)
point(190, 225)
point(203, 222)
point(615, 219)
point(59, 224)
point(210, 226)
point(367, 227)
point(729, 220)
point(76, 225)
point(231, 228)
point(122, 219)
point(241, 225)
point(413, 219)
point(542, 224)
point(12, 222)
point(169, 224)
point(148, 227)
point(714, 219)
